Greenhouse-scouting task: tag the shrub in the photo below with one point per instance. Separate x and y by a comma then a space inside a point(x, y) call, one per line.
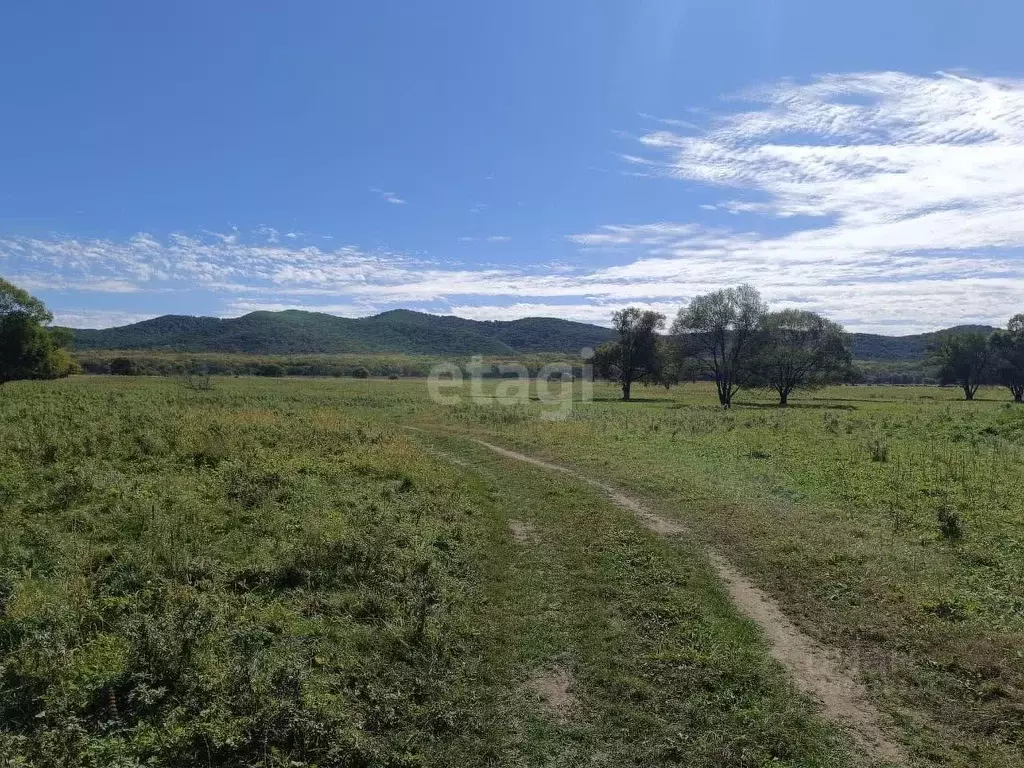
point(831, 421)
point(879, 448)
point(951, 524)
point(199, 381)
point(360, 372)
point(123, 366)
point(269, 369)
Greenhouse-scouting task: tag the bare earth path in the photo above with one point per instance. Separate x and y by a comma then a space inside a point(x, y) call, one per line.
point(816, 669)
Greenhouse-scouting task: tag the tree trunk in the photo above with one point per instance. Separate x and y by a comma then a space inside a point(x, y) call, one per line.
point(626, 386)
point(783, 399)
point(968, 392)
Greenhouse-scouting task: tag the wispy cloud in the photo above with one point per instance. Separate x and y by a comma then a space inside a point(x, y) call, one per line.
point(887, 201)
point(235, 308)
point(389, 197)
point(98, 318)
point(598, 313)
point(225, 237)
point(902, 195)
point(269, 234)
point(487, 239)
point(670, 121)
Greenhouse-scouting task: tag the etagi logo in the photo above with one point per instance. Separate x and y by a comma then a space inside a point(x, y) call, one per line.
point(553, 385)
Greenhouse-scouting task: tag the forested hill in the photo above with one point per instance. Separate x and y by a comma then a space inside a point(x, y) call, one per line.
point(407, 332)
point(297, 332)
point(874, 347)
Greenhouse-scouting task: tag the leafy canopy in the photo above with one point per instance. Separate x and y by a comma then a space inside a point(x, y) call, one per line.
point(1008, 356)
point(28, 349)
point(801, 350)
point(634, 357)
point(963, 359)
point(720, 331)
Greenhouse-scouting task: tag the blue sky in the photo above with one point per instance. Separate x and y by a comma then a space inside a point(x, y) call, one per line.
point(497, 160)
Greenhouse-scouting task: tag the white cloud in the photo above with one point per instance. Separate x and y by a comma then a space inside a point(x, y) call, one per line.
point(596, 313)
point(97, 318)
point(913, 186)
point(228, 238)
point(389, 197)
point(87, 284)
point(236, 308)
point(488, 239)
point(887, 201)
point(670, 121)
point(269, 234)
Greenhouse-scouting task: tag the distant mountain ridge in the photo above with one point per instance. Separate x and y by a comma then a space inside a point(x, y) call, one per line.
point(298, 332)
point(408, 332)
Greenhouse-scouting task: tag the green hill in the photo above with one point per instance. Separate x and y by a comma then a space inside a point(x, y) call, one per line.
point(404, 331)
point(877, 348)
point(297, 332)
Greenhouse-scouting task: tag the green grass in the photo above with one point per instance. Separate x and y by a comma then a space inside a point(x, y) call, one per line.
point(836, 506)
point(275, 573)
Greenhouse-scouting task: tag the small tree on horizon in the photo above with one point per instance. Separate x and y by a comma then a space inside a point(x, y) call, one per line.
point(1008, 356)
point(720, 330)
point(964, 359)
point(801, 350)
point(634, 357)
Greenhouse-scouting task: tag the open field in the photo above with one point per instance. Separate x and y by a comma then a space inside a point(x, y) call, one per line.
point(280, 572)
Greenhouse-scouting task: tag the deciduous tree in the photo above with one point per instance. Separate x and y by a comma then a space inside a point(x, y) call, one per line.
point(634, 356)
point(801, 350)
point(1008, 356)
point(964, 358)
point(28, 349)
point(721, 331)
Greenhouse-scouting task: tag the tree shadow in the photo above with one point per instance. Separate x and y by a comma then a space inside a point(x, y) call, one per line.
point(865, 400)
point(796, 406)
point(631, 400)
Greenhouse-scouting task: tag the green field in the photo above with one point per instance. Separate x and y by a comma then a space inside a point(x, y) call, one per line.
point(326, 572)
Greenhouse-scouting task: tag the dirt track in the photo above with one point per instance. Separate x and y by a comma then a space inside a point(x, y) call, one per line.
point(816, 669)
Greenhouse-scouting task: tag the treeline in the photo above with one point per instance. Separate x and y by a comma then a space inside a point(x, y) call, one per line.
point(131, 363)
point(115, 363)
point(733, 338)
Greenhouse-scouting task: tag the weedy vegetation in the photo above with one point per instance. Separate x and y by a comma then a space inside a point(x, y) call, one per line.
point(888, 522)
point(277, 572)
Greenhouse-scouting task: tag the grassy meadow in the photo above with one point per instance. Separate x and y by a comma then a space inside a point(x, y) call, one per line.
point(280, 572)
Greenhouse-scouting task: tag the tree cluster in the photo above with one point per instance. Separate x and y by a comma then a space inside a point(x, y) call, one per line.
point(970, 359)
point(732, 337)
point(29, 349)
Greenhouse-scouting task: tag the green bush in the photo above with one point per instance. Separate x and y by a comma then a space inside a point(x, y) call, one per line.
point(123, 366)
point(270, 369)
